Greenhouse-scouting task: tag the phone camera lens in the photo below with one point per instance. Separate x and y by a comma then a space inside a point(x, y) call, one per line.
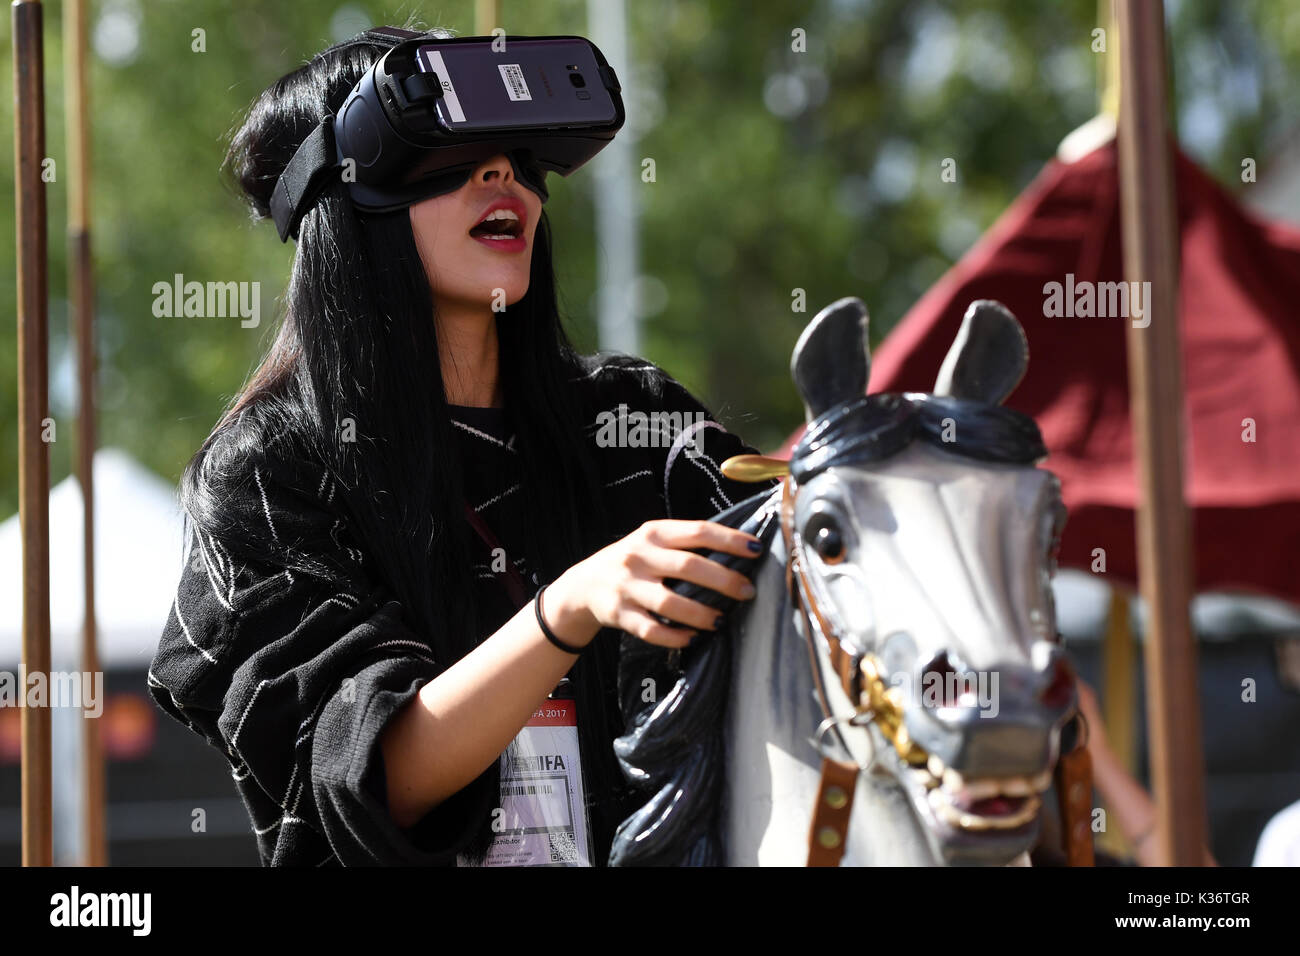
point(577, 80)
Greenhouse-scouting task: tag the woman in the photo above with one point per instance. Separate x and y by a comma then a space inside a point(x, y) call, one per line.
point(348, 635)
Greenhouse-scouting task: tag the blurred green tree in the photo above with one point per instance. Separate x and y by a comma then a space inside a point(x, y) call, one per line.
point(795, 147)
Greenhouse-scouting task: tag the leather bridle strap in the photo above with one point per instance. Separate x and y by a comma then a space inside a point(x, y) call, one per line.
point(846, 663)
point(792, 588)
point(828, 830)
point(1073, 781)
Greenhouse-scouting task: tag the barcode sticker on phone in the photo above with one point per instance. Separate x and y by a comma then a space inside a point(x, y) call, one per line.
point(513, 76)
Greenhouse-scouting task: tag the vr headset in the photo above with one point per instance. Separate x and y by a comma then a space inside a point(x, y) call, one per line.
point(432, 109)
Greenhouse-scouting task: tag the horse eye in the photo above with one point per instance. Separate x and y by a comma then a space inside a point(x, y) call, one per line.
point(827, 541)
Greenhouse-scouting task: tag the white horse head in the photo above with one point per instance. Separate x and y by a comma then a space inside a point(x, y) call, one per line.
point(924, 536)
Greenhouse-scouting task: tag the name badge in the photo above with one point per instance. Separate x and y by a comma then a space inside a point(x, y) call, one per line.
point(542, 820)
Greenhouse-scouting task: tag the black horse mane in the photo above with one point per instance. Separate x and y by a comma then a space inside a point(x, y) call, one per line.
point(675, 746)
point(874, 427)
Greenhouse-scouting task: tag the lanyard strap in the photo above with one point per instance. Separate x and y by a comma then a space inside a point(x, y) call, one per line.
point(514, 581)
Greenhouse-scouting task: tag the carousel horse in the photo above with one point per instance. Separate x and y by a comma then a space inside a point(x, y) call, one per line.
point(896, 693)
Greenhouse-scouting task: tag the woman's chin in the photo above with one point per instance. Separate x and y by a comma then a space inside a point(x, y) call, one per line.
point(502, 292)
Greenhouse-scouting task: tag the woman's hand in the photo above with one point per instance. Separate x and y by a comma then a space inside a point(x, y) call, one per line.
point(620, 585)
point(466, 716)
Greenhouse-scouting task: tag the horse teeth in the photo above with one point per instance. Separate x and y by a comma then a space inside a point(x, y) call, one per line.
point(935, 766)
point(1017, 786)
point(1023, 816)
point(955, 783)
point(944, 810)
point(1012, 820)
point(980, 789)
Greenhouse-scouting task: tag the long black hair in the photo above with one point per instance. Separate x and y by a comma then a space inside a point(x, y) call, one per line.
point(356, 357)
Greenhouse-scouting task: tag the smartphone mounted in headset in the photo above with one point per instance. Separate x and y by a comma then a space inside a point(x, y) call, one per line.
point(540, 82)
point(432, 109)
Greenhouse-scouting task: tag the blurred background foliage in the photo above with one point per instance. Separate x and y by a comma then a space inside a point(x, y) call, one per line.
point(776, 170)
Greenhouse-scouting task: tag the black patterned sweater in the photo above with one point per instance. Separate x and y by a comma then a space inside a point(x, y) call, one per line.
point(292, 680)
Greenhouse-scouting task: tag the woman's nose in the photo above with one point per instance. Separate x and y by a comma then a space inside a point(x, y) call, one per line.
point(497, 168)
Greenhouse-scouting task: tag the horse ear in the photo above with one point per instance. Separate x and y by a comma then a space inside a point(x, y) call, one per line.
point(988, 357)
point(825, 363)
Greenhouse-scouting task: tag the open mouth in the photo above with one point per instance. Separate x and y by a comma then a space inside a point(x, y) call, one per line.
point(980, 804)
point(500, 224)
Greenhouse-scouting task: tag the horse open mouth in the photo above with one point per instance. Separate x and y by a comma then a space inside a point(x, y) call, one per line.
point(974, 804)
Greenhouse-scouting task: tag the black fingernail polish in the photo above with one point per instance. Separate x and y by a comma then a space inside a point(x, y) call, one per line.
point(755, 546)
point(718, 623)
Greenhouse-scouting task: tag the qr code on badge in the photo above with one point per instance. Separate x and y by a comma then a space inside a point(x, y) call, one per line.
point(563, 847)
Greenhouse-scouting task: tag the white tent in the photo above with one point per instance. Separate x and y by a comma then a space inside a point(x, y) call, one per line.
point(137, 565)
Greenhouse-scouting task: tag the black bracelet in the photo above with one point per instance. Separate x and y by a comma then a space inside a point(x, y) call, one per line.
point(549, 634)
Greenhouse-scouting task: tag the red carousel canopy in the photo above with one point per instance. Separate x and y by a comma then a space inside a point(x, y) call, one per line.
point(1240, 315)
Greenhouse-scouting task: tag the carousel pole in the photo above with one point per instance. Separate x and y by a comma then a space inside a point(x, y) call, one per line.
point(33, 411)
point(1150, 234)
point(82, 302)
point(487, 16)
point(1119, 651)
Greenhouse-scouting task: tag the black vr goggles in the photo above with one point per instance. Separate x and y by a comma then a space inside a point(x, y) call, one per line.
point(432, 109)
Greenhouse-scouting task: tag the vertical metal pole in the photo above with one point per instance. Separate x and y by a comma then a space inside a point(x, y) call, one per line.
point(615, 196)
point(487, 16)
point(81, 298)
point(1150, 231)
point(33, 410)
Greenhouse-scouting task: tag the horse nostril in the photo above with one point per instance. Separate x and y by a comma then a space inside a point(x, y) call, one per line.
point(1059, 690)
point(939, 680)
